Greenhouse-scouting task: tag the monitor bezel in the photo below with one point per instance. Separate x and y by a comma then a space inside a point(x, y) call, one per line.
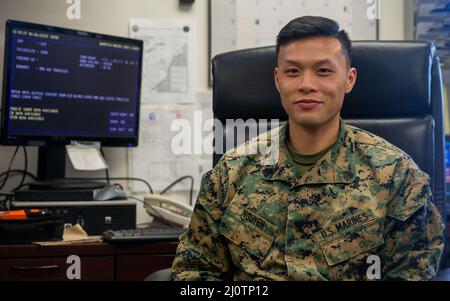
point(6, 139)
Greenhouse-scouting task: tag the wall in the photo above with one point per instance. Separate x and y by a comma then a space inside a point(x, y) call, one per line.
point(392, 16)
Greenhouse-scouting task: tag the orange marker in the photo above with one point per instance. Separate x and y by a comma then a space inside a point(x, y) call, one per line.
point(21, 214)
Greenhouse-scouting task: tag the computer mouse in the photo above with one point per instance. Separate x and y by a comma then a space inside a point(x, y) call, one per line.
point(110, 192)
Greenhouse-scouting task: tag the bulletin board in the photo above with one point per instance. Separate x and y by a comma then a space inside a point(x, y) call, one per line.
point(237, 24)
point(431, 23)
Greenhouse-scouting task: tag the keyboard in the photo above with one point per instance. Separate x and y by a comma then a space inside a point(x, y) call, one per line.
point(143, 234)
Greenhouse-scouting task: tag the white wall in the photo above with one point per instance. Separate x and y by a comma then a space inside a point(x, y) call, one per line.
point(111, 17)
point(392, 16)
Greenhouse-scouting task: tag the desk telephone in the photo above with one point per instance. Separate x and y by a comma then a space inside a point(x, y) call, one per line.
point(169, 209)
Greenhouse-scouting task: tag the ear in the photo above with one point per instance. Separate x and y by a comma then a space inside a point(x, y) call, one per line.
point(351, 80)
point(275, 76)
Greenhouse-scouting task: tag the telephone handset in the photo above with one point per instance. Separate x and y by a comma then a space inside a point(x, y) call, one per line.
point(168, 209)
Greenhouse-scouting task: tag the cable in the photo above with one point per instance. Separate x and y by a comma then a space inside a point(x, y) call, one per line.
point(162, 219)
point(18, 171)
point(9, 168)
point(20, 186)
point(117, 179)
point(12, 171)
point(5, 204)
point(179, 180)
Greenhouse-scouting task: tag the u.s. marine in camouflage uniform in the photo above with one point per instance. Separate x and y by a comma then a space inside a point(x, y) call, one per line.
point(364, 197)
point(292, 219)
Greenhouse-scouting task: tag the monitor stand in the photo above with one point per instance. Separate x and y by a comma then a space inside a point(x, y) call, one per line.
point(51, 172)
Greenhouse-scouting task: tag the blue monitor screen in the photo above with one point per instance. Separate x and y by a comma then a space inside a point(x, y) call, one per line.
point(62, 85)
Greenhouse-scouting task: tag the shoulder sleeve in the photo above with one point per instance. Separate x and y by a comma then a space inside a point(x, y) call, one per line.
point(414, 229)
point(409, 190)
point(202, 253)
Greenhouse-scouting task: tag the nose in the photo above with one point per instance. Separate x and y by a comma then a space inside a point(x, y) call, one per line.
point(307, 82)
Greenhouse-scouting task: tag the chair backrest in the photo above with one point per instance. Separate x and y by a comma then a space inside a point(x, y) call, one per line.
point(398, 96)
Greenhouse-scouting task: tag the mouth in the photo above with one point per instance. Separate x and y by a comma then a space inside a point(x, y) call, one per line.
point(307, 103)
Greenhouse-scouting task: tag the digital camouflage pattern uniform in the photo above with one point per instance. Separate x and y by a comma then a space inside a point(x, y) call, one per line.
point(265, 222)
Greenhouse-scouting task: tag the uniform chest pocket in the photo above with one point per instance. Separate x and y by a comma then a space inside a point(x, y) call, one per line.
point(352, 242)
point(247, 230)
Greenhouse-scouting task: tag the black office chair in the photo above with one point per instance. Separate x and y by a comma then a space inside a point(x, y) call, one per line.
point(398, 96)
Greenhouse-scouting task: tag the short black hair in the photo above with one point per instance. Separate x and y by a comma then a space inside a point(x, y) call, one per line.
point(313, 26)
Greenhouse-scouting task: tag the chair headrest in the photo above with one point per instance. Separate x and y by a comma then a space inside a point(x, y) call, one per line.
point(393, 80)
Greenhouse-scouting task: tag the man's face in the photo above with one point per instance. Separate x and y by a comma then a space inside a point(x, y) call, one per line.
point(312, 77)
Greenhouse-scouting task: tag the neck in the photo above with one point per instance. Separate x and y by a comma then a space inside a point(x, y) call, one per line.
point(307, 141)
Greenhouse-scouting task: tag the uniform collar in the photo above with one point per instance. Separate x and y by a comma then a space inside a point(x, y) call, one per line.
point(337, 166)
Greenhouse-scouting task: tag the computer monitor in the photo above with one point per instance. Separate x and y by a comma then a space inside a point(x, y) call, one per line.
point(62, 85)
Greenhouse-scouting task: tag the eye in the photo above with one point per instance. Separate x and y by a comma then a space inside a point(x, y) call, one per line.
point(292, 71)
point(324, 71)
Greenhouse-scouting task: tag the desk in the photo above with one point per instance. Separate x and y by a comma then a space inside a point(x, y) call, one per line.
point(99, 261)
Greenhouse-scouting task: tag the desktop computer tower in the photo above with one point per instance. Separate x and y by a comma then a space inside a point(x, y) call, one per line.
point(94, 216)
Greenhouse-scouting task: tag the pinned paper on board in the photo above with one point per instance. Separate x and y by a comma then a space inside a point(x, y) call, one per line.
point(255, 23)
point(157, 159)
point(86, 157)
point(168, 60)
